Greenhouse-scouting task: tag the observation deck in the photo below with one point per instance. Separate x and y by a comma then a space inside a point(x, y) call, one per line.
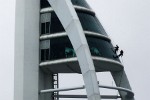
point(57, 53)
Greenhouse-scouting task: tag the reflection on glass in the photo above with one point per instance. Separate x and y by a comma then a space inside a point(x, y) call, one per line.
point(53, 24)
point(82, 3)
point(69, 52)
point(60, 48)
point(90, 23)
point(95, 51)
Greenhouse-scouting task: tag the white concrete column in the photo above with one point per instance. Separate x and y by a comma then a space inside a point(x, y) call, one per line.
point(26, 50)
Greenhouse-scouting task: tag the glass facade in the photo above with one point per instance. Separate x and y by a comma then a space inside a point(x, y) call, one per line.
point(88, 22)
point(59, 48)
point(82, 3)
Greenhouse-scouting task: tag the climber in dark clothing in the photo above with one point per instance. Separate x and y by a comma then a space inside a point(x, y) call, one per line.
point(121, 53)
point(116, 48)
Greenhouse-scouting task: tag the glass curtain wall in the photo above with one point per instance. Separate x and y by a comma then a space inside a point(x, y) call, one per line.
point(59, 48)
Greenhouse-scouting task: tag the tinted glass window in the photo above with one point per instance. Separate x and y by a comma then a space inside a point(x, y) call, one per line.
point(47, 27)
point(56, 25)
point(99, 47)
point(42, 55)
point(44, 4)
point(90, 23)
point(45, 54)
point(43, 28)
point(80, 3)
point(61, 48)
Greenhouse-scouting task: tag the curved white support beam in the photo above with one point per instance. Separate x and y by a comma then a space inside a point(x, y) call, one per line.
point(85, 96)
point(50, 9)
point(62, 34)
point(62, 89)
point(128, 92)
point(68, 17)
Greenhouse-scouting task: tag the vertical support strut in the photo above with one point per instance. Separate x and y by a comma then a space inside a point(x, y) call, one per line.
point(70, 21)
point(55, 86)
point(121, 80)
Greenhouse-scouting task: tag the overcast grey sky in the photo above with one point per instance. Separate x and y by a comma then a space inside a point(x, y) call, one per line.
point(127, 23)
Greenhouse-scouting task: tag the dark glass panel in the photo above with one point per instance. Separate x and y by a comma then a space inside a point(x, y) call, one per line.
point(61, 48)
point(82, 3)
point(42, 54)
point(43, 28)
point(90, 23)
point(44, 4)
point(56, 25)
point(47, 27)
point(100, 47)
point(45, 54)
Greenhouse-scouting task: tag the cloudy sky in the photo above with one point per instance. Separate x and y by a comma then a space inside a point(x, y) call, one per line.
point(127, 23)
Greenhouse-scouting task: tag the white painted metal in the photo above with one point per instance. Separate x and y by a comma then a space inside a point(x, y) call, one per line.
point(85, 96)
point(68, 17)
point(74, 59)
point(127, 92)
point(108, 60)
point(46, 63)
point(62, 34)
point(84, 9)
point(62, 89)
point(50, 9)
point(50, 36)
point(101, 36)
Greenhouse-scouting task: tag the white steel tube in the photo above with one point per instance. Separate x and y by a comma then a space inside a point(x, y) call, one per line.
point(62, 89)
point(129, 92)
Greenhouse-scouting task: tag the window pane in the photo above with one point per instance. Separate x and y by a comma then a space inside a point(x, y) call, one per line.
point(42, 55)
point(90, 23)
point(100, 47)
point(58, 47)
point(46, 54)
point(80, 3)
point(44, 4)
point(62, 48)
point(47, 27)
point(56, 25)
point(43, 28)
